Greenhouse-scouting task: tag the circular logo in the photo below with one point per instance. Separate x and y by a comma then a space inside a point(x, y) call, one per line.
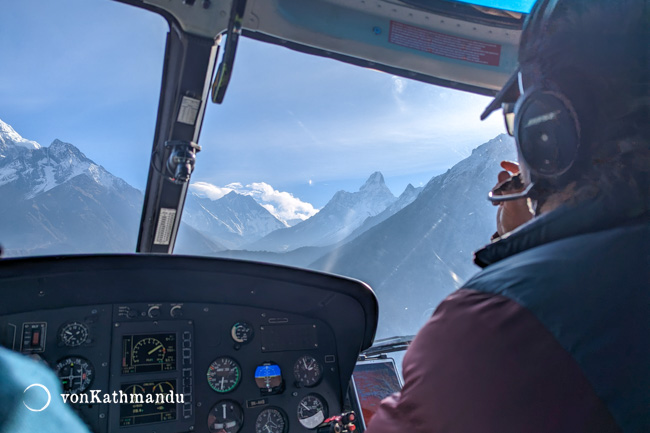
point(49, 397)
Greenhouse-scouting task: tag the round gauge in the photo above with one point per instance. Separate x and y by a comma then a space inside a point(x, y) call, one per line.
point(226, 416)
point(76, 374)
point(241, 332)
point(134, 389)
point(271, 420)
point(312, 411)
point(224, 374)
point(307, 371)
point(148, 351)
point(163, 388)
point(73, 334)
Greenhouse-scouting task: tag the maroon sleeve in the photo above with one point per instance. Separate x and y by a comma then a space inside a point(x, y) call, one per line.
point(483, 363)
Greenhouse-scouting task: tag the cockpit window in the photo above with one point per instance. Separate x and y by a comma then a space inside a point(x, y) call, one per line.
point(309, 162)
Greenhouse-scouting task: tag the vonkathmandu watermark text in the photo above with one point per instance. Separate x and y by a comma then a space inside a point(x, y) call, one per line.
point(97, 397)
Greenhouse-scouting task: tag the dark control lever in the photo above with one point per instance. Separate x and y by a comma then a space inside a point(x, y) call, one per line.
point(344, 423)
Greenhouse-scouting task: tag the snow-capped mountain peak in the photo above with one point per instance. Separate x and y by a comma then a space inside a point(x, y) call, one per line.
point(375, 181)
point(409, 189)
point(39, 169)
point(231, 220)
point(344, 213)
point(10, 138)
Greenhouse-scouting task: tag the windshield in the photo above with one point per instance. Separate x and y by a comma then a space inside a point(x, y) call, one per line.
point(309, 162)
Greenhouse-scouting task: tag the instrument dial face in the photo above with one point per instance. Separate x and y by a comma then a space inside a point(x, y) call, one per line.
point(74, 334)
point(148, 351)
point(224, 374)
point(76, 374)
point(226, 416)
point(312, 411)
point(271, 420)
point(242, 332)
point(307, 371)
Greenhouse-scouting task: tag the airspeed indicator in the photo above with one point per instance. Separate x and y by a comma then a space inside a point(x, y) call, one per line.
point(224, 374)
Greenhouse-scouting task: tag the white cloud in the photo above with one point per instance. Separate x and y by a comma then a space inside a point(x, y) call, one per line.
point(282, 204)
point(213, 192)
point(398, 85)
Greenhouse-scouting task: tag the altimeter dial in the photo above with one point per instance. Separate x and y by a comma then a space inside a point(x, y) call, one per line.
point(307, 371)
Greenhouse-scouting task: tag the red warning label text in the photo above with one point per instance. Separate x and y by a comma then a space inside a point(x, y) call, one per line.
point(444, 45)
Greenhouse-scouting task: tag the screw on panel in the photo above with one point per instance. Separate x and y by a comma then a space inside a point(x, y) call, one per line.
point(117, 325)
point(295, 394)
point(191, 428)
point(376, 30)
point(104, 364)
point(41, 293)
point(252, 292)
point(198, 404)
point(93, 311)
point(263, 314)
point(315, 344)
point(102, 416)
point(206, 309)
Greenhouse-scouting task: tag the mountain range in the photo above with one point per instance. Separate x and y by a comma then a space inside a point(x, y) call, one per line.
point(413, 249)
point(232, 221)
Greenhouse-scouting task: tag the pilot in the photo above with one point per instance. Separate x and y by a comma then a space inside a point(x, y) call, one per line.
point(554, 334)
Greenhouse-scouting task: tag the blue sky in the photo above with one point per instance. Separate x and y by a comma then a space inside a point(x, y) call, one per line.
point(88, 72)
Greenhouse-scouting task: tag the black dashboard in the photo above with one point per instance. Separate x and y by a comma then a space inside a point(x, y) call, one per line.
point(165, 344)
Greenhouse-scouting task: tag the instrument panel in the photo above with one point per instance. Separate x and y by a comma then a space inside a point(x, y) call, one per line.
point(226, 354)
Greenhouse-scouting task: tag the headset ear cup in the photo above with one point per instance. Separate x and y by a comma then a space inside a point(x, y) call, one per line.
point(547, 133)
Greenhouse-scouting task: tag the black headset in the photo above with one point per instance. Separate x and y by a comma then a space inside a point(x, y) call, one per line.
point(547, 131)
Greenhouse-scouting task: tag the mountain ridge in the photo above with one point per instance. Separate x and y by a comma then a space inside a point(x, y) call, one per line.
point(344, 212)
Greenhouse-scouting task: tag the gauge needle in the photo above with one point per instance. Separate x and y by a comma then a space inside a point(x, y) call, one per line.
point(155, 348)
point(304, 405)
point(223, 380)
point(224, 412)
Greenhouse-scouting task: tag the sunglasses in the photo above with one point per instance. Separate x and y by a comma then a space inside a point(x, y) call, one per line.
point(508, 109)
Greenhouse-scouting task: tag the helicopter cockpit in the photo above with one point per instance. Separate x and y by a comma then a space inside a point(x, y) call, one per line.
point(243, 341)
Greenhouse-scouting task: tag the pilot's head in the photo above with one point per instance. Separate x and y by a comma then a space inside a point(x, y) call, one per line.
point(578, 102)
